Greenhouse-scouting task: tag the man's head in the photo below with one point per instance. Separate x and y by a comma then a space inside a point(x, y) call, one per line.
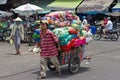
point(105, 18)
point(108, 18)
point(44, 24)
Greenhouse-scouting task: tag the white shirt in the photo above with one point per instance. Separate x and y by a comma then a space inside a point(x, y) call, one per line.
point(84, 22)
point(109, 25)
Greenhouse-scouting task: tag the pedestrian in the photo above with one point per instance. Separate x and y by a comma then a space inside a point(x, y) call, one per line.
point(17, 34)
point(84, 22)
point(49, 51)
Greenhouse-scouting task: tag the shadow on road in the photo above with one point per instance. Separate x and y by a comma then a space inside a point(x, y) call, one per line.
point(51, 74)
point(64, 71)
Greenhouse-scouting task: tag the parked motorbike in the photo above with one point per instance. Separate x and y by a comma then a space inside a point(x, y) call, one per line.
point(30, 32)
point(112, 34)
point(4, 34)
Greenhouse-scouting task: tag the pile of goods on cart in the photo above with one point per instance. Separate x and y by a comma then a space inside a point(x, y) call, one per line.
point(67, 26)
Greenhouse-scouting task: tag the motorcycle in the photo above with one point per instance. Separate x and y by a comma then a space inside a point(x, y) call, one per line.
point(112, 34)
point(4, 34)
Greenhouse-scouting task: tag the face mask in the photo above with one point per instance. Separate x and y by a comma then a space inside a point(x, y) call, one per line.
point(18, 23)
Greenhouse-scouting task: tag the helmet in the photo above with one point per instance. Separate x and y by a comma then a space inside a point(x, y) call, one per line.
point(84, 17)
point(108, 18)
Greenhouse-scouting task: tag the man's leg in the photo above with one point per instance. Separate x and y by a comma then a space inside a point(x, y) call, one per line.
point(54, 60)
point(43, 66)
point(104, 32)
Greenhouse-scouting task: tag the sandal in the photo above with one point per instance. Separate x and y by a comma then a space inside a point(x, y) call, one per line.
point(41, 77)
point(87, 57)
point(17, 54)
point(59, 73)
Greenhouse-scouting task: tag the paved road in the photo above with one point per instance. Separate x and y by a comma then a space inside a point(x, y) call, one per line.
point(104, 65)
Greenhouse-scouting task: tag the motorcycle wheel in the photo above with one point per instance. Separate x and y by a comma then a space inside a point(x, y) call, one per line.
point(119, 33)
point(96, 36)
point(114, 37)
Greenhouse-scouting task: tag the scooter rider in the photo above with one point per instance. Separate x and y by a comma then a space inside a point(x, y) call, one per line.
point(109, 26)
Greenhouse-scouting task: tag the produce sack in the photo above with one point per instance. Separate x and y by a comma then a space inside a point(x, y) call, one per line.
point(59, 31)
point(75, 26)
point(63, 36)
point(37, 31)
point(83, 41)
point(74, 21)
point(84, 33)
point(37, 39)
point(66, 47)
point(72, 30)
point(82, 37)
point(71, 43)
point(64, 40)
point(74, 35)
point(69, 46)
point(36, 35)
point(61, 24)
point(78, 42)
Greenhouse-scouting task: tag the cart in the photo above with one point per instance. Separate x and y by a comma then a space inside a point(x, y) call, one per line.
point(73, 58)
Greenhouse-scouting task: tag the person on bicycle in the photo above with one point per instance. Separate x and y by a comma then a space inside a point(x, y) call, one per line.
point(49, 51)
point(109, 26)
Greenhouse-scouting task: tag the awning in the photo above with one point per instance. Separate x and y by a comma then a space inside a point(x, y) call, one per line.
point(43, 4)
point(116, 8)
point(113, 14)
point(91, 5)
point(94, 12)
point(4, 13)
point(64, 4)
point(3, 2)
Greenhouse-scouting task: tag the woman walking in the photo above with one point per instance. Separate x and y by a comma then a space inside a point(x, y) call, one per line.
point(17, 34)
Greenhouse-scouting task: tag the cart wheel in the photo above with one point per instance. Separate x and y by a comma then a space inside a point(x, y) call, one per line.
point(51, 66)
point(74, 64)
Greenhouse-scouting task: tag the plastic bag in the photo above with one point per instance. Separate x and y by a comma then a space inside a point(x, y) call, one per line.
point(36, 50)
point(11, 41)
point(88, 39)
